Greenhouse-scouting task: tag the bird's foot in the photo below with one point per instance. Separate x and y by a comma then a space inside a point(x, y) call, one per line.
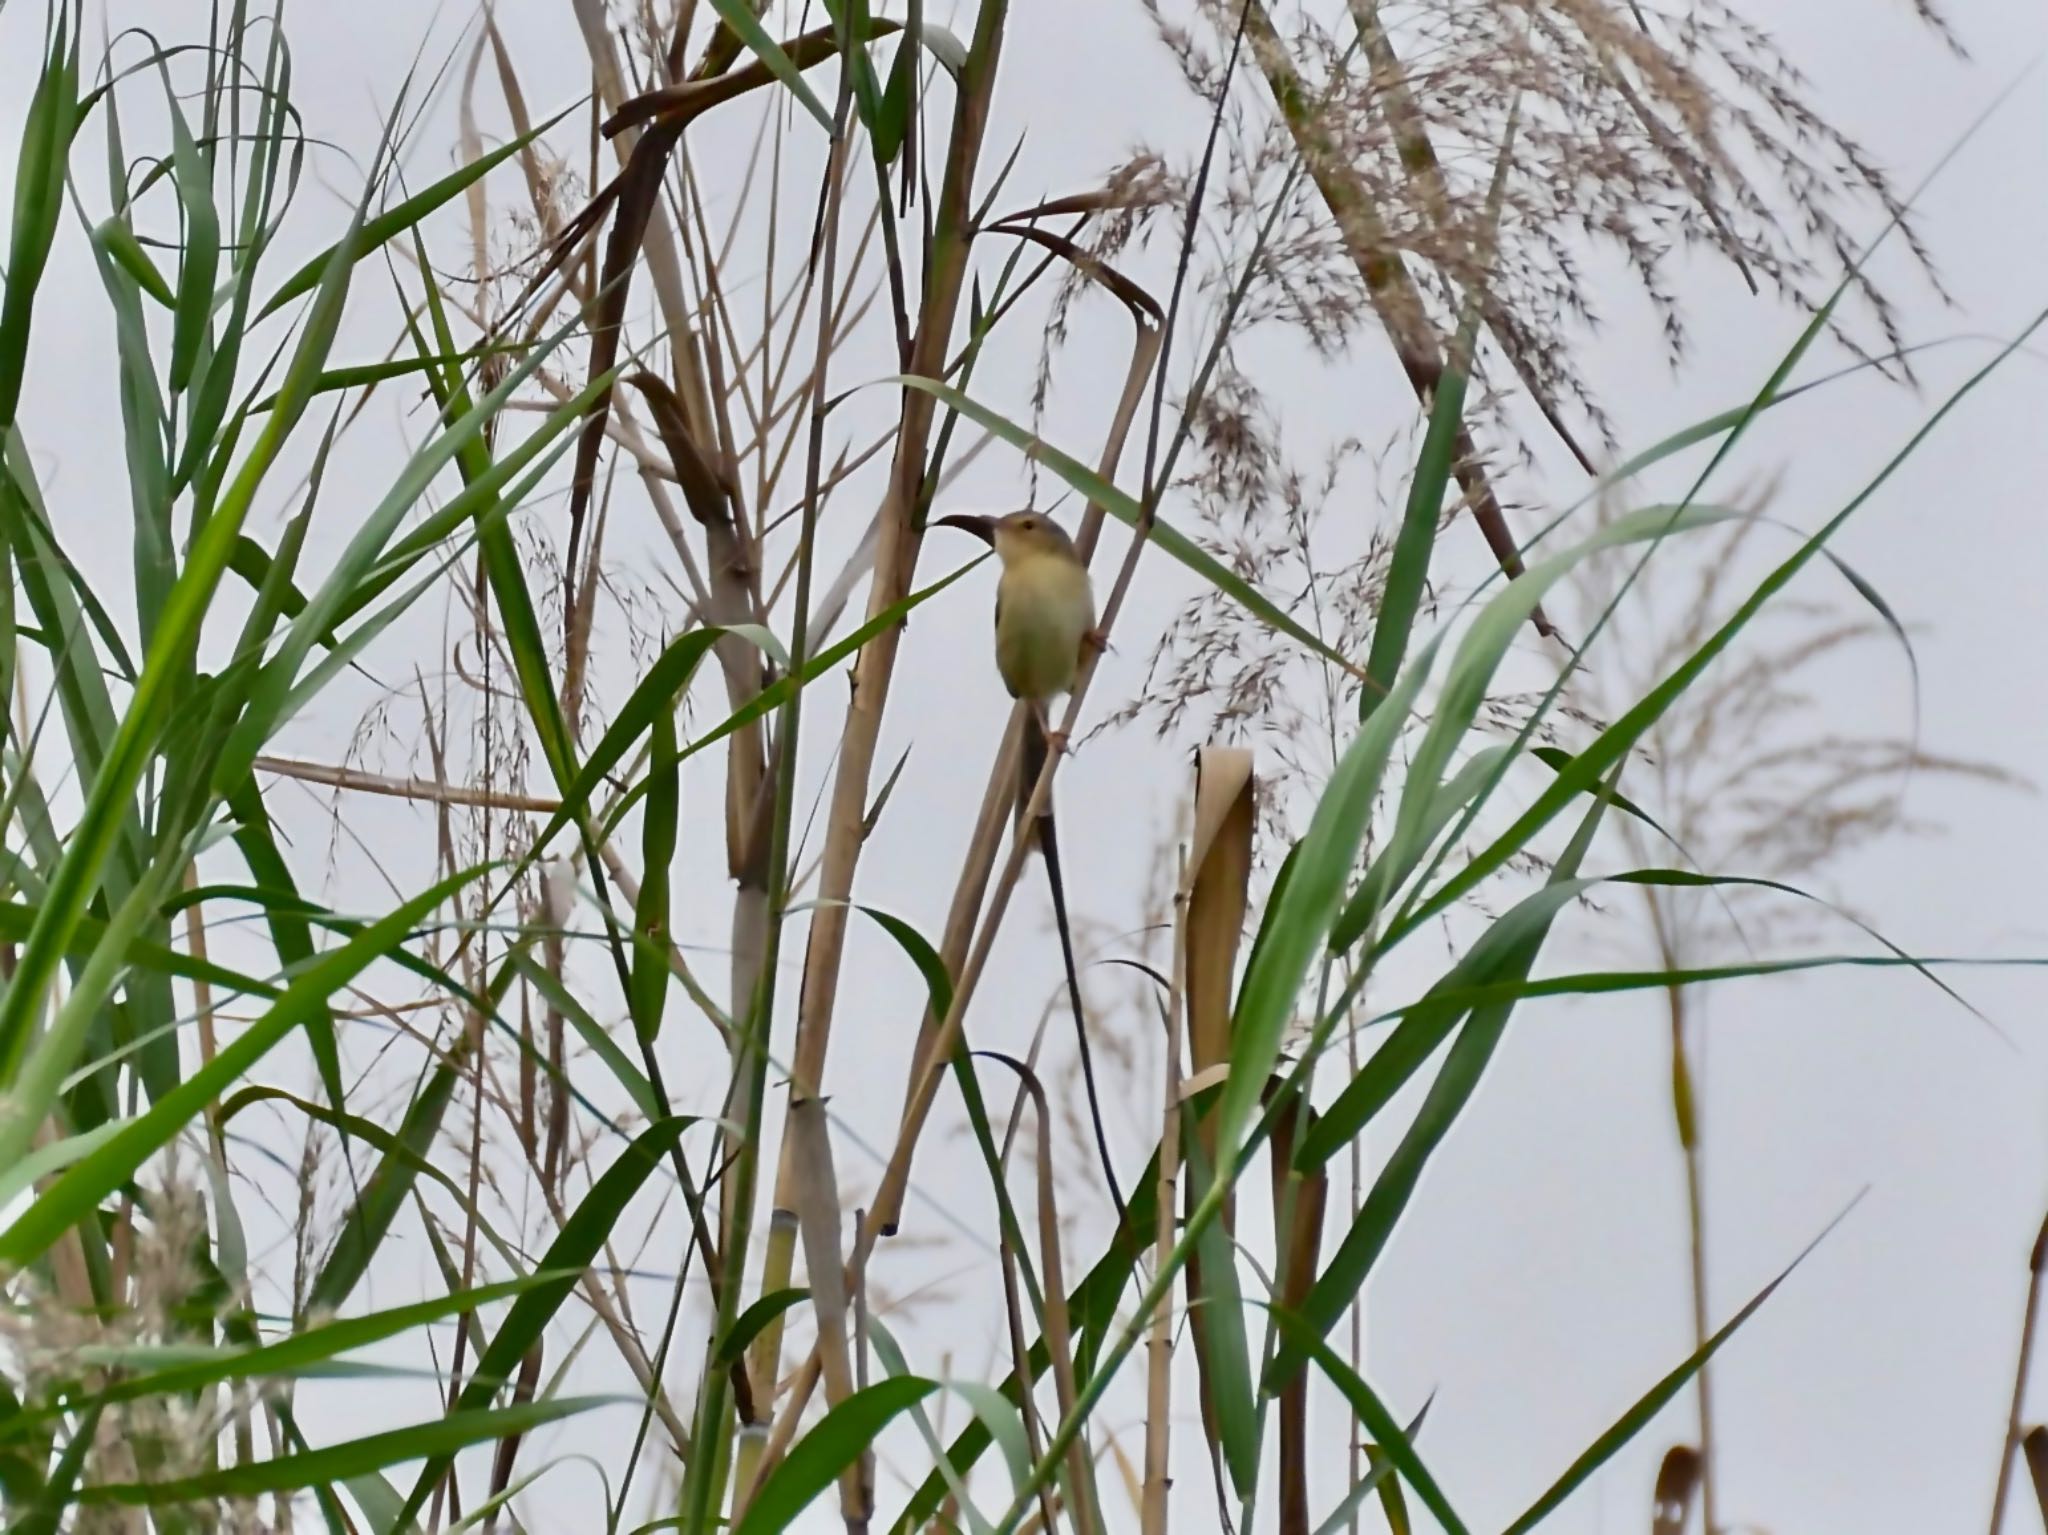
point(1095, 640)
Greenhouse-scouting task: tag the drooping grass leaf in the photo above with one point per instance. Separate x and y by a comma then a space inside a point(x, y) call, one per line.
point(298, 1353)
point(80, 1188)
point(746, 25)
point(748, 1324)
point(1126, 509)
point(371, 1213)
point(397, 1154)
point(1387, 1434)
point(439, 1437)
point(1613, 743)
point(815, 1460)
point(651, 918)
point(200, 266)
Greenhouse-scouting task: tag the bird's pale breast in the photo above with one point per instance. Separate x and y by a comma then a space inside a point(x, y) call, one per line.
point(1043, 609)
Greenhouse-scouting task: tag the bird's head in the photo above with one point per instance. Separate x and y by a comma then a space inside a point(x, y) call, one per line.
point(1018, 536)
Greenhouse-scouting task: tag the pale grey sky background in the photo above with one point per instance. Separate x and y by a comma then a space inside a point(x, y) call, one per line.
point(1538, 1284)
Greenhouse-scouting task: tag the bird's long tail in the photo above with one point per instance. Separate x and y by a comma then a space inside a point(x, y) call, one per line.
point(1031, 766)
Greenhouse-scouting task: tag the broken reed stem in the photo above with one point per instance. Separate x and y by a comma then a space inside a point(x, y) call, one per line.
point(1159, 1372)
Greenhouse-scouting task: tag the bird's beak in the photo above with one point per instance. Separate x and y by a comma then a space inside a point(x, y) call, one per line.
point(983, 528)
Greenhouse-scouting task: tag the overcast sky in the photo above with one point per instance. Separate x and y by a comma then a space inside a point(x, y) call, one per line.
point(1538, 1285)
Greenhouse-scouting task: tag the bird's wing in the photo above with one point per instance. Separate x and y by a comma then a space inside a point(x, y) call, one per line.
point(997, 631)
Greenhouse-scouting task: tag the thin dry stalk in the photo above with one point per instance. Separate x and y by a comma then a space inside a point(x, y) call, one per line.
point(1390, 288)
point(1299, 1203)
point(1685, 1121)
point(216, 1140)
point(1159, 1358)
point(1740, 782)
point(473, 1046)
point(1059, 1339)
point(759, 921)
point(1020, 1357)
point(418, 790)
point(783, 1432)
point(202, 1006)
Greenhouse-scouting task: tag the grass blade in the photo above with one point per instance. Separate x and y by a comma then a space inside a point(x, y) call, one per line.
point(817, 1459)
point(572, 1251)
point(1632, 1422)
point(746, 26)
point(74, 1195)
point(1386, 1430)
point(440, 1437)
point(1297, 923)
point(406, 215)
point(651, 920)
point(39, 169)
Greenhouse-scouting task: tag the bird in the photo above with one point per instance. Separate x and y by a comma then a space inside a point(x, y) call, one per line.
point(1045, 623)
point(1045, 619)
